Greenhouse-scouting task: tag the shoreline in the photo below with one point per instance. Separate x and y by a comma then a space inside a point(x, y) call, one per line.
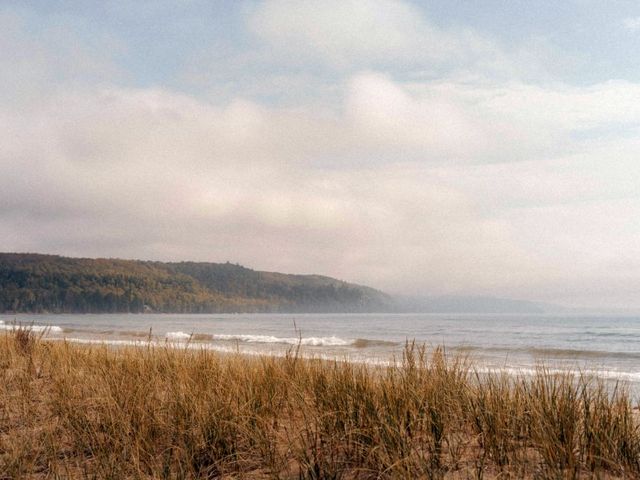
point(138, 412)
point(346, 357)
point(256, 345)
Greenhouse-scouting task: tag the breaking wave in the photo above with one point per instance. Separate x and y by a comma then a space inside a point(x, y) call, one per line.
point(615, 375)
point(32, 328)
point(177, 336)
point(310, 341)
point(550, 352)
point(179, 339)
point(332, 341)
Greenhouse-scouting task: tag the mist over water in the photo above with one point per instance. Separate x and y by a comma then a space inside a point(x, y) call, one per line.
point(605, 346)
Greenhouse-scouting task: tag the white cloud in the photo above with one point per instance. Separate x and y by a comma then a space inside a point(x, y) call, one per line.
point(632, 23)
point(455, 185)
point(435, 122)
point(612, 103)
point(357, 33)
point(155, 174)
point(299, 51)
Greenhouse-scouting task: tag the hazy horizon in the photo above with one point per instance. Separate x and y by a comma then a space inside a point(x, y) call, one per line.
point(422, 148)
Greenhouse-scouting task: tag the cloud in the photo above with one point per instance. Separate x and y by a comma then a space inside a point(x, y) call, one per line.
point(631, 23)
point(369, 33)
point(302, 51)
point(150, 173)
point(434, 122)
point(410, 181)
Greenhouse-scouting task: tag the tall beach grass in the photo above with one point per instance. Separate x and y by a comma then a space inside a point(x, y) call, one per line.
point(72, 411)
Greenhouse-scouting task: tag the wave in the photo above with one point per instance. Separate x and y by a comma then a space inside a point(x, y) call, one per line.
point(31, 328)
point(616, 375)
point(366, 342)
point(309, 341)
point(632, 377)
point(570, 353)
point(332, 341)
point(182, 336)
point(134, 333)
point(98, 341)
point(177, 336)
point(154, 343)
point(201, 337)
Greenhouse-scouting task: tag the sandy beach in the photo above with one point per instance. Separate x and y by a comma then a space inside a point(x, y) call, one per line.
point(90, 411)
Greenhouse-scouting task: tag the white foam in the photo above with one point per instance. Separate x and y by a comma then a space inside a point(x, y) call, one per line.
point(177, 336)
point(116, 343)
point(32, 328)
point(218, 348)
point(160, 344)
point(632, 377)
point(309, 341)
point(587, 373)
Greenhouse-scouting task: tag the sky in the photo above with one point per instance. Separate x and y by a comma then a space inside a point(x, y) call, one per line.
point(425, 148)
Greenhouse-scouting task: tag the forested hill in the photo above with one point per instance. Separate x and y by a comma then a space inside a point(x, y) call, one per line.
point(48, 283)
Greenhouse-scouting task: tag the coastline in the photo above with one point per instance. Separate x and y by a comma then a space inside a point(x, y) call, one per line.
point(334, 341)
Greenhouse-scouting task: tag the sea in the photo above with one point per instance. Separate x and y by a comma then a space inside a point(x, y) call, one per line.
point(606, 347)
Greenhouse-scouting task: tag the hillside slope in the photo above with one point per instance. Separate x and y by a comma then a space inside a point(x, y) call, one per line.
point(48, 283)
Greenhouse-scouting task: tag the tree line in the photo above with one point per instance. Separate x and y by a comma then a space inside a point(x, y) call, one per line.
point(48, 283)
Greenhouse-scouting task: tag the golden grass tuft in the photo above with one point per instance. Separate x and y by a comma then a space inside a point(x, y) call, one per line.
point(69, 411)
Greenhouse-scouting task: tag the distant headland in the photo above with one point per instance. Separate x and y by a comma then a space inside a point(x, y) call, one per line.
point(37, 283)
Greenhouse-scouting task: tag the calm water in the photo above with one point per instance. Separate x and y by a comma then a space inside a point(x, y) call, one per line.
point(605, 346)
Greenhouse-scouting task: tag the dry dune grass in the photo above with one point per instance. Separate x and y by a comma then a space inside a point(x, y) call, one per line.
point(69, 411)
